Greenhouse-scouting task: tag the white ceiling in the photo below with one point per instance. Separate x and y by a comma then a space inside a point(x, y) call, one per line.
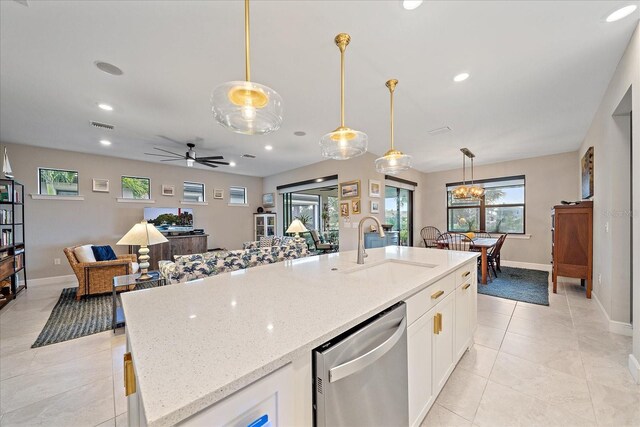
point(538, 72)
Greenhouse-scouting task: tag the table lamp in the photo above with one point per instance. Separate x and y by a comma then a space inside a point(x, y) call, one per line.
point(297, 227)
point(143, 234)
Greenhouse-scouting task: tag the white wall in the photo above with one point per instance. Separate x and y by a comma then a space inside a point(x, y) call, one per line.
point(362, 168)
point(606, 135)
point(548, 180)
point(52, 225)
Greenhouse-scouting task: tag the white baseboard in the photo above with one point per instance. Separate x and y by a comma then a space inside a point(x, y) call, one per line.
point(634, 367)
point(528, 265)
point(55, 280)
point(620, 328)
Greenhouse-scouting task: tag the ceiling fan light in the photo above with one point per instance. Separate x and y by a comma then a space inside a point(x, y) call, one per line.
point(190, 162)
point(247, 107)
point(343, 144)
point(393, 162)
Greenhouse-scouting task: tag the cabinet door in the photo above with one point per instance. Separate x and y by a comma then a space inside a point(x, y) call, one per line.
point(419, 351)
point(463, 318)
point(443, 357)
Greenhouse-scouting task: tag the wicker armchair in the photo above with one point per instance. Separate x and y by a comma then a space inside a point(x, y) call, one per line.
point(99, 274)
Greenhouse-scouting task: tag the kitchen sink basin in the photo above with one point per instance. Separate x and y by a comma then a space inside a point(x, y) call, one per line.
point(388, 268)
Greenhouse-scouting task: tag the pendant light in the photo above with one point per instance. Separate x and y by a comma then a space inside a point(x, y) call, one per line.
point(475, 191)
point(393, 161)
point(461, 192)
point(244, 106)
point(343, 143)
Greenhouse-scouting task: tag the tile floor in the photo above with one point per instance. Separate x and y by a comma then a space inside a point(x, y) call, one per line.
point(541, 366)
point(530, 366)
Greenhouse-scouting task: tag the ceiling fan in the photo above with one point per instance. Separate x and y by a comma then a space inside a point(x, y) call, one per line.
point(189, 156)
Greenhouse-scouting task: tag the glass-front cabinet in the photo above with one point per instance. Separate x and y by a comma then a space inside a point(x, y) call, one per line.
point(264, 224)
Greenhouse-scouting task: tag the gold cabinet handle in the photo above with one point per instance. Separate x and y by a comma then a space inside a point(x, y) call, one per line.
point(465, 274)
point(437, 295)
point(439, 322)
point(129, 375)
point(436, 329)
point(466, 286)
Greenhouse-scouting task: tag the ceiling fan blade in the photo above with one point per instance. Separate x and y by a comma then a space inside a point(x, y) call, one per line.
point(170, 152)
point(212, 162)
point(211, 157)
point(171, 160)
point(159, 155)
point(208, 164)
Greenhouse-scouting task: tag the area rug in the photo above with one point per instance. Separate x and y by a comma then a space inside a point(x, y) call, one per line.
point(72, 319)
point(519, 284)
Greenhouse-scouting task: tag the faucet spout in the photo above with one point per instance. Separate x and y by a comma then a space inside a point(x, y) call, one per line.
point(362, 254)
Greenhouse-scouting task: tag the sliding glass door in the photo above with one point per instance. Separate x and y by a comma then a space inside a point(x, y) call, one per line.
point(398, 208)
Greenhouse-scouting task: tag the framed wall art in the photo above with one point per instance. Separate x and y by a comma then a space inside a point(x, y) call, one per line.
point(355, 206)
point(375, 206)
point(100, 185)
point(218, 193)
point(168, 190)
point(587, 174)
point(350, 189)
point(374, 188)
point(268, 200)
point(344, 209)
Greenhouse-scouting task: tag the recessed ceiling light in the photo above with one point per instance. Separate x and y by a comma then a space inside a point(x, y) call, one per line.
point(411, 4)
point(105, 107)
point(232, 164)
point(299, 133)
point(105, 142)
point(623, 12)
point(108, 68)
point(461, 77)
point(268, 147)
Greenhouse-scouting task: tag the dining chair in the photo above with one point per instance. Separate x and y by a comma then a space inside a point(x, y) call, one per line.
point(498, 249)
point(430, 235)
point(493, 256)
point(455, 241)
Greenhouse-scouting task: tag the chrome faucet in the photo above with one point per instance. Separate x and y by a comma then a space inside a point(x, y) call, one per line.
point(362, 254)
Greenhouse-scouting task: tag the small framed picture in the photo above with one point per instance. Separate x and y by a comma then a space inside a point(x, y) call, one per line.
point(268, 200)
point(101, 185)
point(374, 188)
point(355, 206)
point(350, 190)
point(344, 209)
point(218, 193)
point(168, 190)
point(375, 206)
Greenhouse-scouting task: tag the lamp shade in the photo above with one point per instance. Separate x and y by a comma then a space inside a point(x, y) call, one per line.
point(142, 234)
point(296, 227)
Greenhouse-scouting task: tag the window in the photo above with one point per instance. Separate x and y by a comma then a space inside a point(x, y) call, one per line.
point(57, 182)
point(237, 195)
point(306, 208)
point(193, 192)
point(134, 187)
point(501, 209)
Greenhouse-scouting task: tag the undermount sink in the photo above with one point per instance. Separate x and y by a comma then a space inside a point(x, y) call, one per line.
point(389, 267)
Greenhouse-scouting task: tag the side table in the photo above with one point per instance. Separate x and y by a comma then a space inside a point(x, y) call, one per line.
point(131, 283)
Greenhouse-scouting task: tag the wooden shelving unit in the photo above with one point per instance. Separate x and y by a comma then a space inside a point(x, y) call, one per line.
point(13, 276)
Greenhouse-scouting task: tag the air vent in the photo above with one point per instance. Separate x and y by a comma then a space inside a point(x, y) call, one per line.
point(102, 125)
point(438, 131)
point(319, 385)
point(248, 156)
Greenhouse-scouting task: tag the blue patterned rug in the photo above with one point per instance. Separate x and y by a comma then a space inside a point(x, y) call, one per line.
point(519, 284)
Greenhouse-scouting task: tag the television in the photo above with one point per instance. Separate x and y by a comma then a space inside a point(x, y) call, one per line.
point(170, 220)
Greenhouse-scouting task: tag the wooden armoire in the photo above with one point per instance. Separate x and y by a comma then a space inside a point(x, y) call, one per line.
point(572, 243)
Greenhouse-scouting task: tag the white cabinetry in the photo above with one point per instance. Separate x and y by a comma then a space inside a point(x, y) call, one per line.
point(264, 225)
point(442, 319)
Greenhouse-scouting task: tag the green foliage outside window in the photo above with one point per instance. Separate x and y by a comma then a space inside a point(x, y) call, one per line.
point(135, 188)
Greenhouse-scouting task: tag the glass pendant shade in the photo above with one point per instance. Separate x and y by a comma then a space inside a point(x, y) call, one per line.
point(244, 106)
point(461, 192)
point(393, 161)
point(247, 107)
point(476, 192)
point(343, 143)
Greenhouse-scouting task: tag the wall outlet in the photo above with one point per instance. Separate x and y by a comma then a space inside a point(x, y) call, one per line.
point(56, 261)
point(599, 279)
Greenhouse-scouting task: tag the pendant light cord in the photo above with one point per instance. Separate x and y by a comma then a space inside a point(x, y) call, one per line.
point(464, 169)
point(391, 90)
point(247, 69)
point(341, 87)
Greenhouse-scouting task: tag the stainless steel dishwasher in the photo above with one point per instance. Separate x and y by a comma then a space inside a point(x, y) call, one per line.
point(360, 377)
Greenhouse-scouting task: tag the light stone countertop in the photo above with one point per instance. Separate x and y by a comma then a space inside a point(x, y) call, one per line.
point(195, 343)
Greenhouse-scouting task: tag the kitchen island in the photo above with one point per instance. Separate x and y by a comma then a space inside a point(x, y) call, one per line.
point(201, 349)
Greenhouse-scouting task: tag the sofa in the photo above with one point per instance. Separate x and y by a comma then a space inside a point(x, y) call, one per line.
point(185, 268)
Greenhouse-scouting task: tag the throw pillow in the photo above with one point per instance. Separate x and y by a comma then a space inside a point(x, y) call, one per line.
point(84, 254)
point(103, 253)
point(266, 242)
point(277, 241)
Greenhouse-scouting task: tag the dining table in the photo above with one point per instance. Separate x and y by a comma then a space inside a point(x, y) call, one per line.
point(484, 244)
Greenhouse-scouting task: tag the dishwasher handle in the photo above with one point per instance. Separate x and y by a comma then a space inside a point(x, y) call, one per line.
point(361, 362)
